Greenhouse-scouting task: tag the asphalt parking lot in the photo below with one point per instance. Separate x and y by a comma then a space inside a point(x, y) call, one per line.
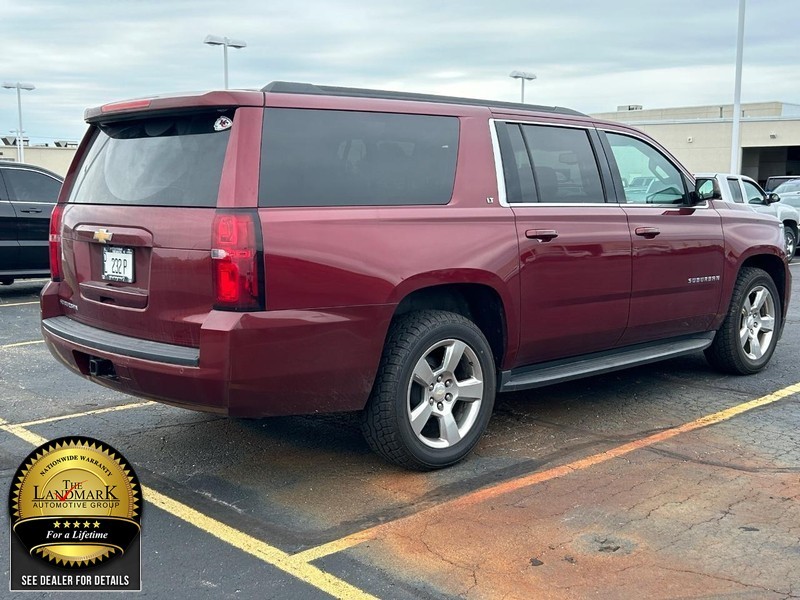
point(666, 481)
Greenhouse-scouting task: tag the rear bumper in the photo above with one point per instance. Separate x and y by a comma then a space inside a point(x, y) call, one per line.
point(248, 364)
point(105, 341)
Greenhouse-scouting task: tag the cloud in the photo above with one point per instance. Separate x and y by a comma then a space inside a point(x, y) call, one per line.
point(588, 56)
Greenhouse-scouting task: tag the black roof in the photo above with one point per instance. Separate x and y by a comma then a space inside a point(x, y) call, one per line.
point(288, 87)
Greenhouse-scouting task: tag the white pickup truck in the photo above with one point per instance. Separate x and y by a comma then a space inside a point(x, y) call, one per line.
point(743, 190)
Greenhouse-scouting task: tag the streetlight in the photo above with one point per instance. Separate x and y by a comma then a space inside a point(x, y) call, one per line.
point(215, 40)
point(523, 77)
point(736, 152)
point(19, 86)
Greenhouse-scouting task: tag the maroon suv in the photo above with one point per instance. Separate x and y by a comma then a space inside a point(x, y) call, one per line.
point(309, 249)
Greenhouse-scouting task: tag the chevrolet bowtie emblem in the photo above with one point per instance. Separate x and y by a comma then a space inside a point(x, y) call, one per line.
point(103, 235)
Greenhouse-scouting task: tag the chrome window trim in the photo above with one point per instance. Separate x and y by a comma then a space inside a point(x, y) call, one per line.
point(546, 124)
point(499, 173)
point(498, 165)
point(567, 204)
point(7, 168)
point(501, 181)
point(703, 205)
point(28, 202)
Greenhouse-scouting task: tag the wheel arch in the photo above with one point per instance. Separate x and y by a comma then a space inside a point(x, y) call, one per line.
point(776, 269)
point(479, 302)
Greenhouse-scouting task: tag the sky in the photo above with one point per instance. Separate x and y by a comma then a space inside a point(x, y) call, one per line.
point(588, 55)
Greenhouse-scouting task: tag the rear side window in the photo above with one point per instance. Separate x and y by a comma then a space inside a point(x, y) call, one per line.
point(161, 161)
point(564, 164)
point(349, 158)
point(30, 186)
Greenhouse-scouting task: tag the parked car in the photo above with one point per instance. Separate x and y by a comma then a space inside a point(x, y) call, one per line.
point(27, 197)
point(789, 193)
point(309, 249)
point(744, 190)
point(774, 182)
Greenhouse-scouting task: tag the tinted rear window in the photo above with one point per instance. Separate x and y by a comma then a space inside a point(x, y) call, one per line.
point(163, 161)
point(341, 158)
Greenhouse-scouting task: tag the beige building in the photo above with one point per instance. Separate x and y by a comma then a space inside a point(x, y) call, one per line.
point(700, 136)
point(54, 157)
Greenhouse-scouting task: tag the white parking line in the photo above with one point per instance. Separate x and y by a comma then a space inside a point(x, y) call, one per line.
point(18, 344)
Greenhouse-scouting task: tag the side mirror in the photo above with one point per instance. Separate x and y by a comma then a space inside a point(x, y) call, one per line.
point(772, 198)
point(705, 189)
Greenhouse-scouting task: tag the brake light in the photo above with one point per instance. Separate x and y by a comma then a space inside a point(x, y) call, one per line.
point(125, 105)
point(236, 255)
point(56, 218)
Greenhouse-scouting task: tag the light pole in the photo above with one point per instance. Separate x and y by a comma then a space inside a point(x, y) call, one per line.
point(19, 86)
point(737, 95)
point(215, 40)
point(523, 77)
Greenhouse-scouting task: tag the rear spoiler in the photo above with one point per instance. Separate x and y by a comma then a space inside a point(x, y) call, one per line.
point(192, 100)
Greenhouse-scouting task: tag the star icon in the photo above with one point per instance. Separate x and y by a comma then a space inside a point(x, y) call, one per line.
point(66, 524)
point(56, 525)
point(76, 524)
point(86, 524)
point(97, 525)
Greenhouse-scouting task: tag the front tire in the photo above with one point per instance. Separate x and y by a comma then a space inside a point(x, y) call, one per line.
point(434, 392)
point(746, 341)
point(790, 237)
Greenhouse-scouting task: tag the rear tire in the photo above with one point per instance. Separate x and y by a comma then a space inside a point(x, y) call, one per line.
point(790, 236)
point(746, 341)
point(434, 392)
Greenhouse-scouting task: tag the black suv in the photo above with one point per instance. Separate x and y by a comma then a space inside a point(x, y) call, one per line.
point(27, 196)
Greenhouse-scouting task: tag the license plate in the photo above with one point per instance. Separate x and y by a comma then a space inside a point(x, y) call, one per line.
point(118, 264)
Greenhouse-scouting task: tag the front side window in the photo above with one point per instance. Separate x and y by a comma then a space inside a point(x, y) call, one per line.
point(30, 186)
point(648, 177)
point(564, 164)
point(349, 158)
point(753, 193)
point(736, 192)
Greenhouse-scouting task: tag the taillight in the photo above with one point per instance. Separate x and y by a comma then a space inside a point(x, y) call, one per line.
point(236, 258)
point(55, 242)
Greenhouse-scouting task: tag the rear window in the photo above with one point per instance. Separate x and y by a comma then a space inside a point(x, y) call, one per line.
point(162, 161)
point(349, 158)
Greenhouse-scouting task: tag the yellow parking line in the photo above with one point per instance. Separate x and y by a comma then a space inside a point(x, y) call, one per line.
point(18, 344)
point(18, 303)
point(512, 485)
point(299, 566)
point(334, 547)
point(285, 562)
point(96, 411)
point(22, 433)
point(300, 569)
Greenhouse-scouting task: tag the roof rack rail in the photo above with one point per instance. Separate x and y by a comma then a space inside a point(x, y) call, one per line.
point(288, 87)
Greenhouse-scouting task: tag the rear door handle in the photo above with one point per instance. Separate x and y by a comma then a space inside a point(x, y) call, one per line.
point(544, 235)
point(30, 210)
point(648, 232)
